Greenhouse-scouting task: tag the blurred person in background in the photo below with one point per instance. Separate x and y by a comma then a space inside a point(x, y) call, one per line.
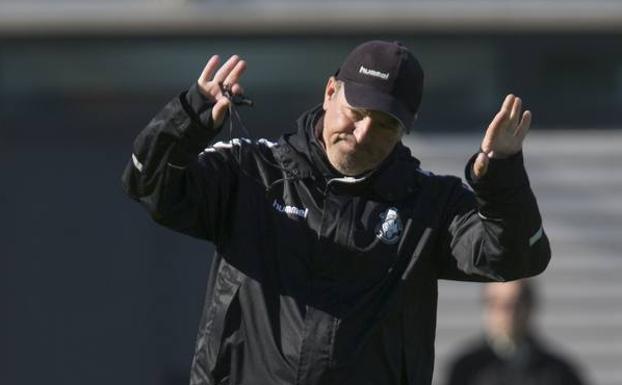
point(330, 242)
point(510, 352)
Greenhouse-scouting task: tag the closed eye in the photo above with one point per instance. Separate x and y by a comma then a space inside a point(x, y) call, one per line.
point(381, 120)
point(385, 121)
point(355, 114)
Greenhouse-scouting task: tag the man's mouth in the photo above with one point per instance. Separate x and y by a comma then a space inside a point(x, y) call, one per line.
point(346, 140)
point(343, 137)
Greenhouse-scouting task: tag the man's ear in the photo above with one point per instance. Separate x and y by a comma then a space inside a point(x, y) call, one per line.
point(330, 91)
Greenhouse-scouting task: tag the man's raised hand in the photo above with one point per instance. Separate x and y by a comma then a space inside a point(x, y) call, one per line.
point(212, 78)
point(505, 134)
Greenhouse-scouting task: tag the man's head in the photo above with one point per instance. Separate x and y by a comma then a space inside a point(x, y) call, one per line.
point(368, 104)
point(508, 309)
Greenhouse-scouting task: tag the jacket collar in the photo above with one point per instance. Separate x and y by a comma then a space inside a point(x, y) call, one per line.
point(302, 155)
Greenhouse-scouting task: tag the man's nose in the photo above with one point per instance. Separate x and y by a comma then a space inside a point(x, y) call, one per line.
point(361, 129)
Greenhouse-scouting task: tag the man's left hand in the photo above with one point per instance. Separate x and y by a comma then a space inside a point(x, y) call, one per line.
point(505, 134)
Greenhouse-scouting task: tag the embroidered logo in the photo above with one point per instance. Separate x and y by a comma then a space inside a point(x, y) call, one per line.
point(389, 230)
point(290, 210)
point(370, 72)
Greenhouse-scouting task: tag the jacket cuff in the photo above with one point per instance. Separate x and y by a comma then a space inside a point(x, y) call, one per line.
point(199, 108)
point(199, 105)
point(502, 174)
point(501, 189)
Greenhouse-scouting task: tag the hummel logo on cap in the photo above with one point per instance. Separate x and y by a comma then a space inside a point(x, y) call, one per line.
point(383, 76)
point(377, 74)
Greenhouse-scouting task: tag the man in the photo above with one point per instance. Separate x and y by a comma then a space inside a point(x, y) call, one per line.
point(331, 241)
point(510, 353)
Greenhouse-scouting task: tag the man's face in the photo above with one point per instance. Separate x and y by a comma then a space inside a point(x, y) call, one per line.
point(356, 140)
point(506, 312)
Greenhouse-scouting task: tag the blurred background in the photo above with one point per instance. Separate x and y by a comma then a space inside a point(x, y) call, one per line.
point(92, 291)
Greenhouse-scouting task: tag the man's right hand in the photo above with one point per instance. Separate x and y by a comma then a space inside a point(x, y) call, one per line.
point(505, 134)
point(212, 77)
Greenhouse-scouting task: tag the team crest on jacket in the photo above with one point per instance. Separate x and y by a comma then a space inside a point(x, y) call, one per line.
point(389, 230)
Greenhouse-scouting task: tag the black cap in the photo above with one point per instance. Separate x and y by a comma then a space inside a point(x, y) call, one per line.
point(383, 76)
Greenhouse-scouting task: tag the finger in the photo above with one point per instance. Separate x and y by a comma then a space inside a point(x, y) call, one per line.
point(226, 68)
point(503, 113)
point(507, 103)
point(515, 113)
point(480, 166)
point(236, 72)
point(497, 122)
point(523, 126)
point(237, 89)
point(219, 110)
point(493, 130)
point(209, 69)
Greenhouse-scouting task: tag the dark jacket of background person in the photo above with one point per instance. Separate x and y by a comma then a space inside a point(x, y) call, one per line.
point(531, 364)
point(317, 278)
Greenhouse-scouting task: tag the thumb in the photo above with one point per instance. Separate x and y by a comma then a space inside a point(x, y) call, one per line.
point(480, 166)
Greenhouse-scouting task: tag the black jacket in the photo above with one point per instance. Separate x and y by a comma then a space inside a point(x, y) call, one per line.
point(321, 279)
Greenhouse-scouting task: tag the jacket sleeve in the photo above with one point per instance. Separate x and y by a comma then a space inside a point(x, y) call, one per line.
point(494, 233)
point(182, 184)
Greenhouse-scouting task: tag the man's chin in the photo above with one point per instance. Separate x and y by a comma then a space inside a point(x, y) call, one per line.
point(350, 167)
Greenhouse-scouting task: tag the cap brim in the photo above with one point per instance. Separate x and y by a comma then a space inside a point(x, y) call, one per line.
point(362, 96)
